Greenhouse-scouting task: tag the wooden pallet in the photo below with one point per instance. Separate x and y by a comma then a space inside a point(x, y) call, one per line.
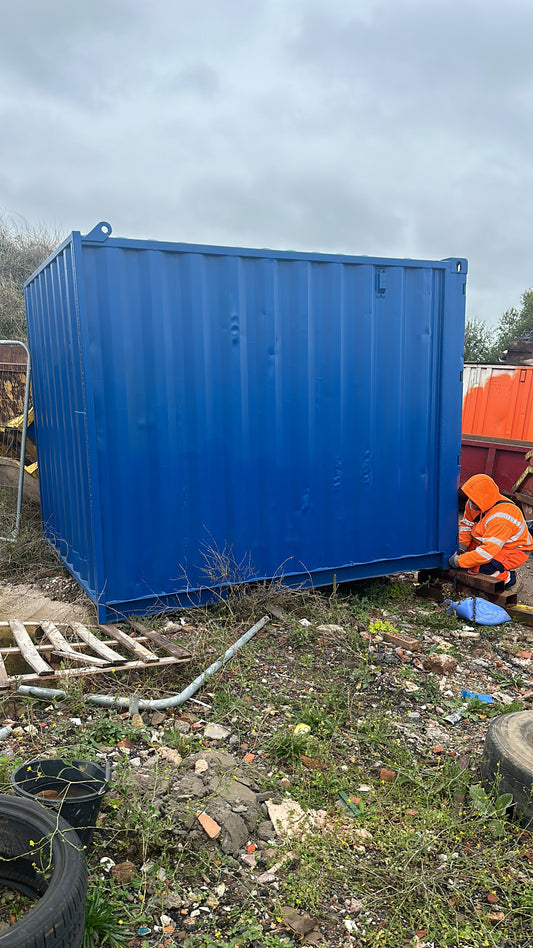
point(44, 650)
point(492, 588)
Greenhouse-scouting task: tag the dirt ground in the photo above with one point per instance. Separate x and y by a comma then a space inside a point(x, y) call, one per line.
point(525, 583)
point(387, 728)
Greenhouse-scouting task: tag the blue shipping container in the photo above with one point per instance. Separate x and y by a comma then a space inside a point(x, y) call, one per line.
point(206, 415)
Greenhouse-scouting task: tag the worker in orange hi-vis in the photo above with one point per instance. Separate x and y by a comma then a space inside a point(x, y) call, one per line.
point(493, 535)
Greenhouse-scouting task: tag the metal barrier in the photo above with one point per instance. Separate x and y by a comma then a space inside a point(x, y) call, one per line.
point(15, 372)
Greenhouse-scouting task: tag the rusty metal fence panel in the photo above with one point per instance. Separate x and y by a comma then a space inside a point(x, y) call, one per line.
point(15, 371)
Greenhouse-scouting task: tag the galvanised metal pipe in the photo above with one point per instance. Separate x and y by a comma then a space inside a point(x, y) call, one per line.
point(35, 691)
point(157, 704)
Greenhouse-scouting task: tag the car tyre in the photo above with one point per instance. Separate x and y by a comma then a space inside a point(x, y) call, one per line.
point(41, 856)
point(507, 761)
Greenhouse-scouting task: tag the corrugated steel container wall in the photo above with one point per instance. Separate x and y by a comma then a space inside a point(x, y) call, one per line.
point(209, 414)
point(498, 401)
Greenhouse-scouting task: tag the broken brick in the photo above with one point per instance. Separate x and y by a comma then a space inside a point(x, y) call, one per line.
point(313, 763)
point(401, 641)
point(210, 826)
point(389, 776)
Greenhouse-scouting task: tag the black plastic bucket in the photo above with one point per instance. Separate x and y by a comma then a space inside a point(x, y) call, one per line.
point(74, 788)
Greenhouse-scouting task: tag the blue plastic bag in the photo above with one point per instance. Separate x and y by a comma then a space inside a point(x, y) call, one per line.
point(486, 699)
point(487, 613)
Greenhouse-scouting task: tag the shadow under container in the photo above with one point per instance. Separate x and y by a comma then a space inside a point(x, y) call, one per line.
point(74, 788)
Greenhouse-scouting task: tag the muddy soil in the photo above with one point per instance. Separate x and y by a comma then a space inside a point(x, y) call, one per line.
point(525, 583)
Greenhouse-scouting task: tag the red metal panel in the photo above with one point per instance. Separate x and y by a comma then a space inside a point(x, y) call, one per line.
point(508, 462)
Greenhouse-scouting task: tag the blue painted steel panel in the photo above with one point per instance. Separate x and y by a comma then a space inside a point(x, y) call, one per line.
point(298, 414)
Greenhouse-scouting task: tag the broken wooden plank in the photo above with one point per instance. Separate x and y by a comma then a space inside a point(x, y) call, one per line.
point(14, 649)
point(27, 648)
point(16, 680)
point(143, 653)
point(4, 677)
point(77, 657)
point(96, 644)
point(179, 651)
point(63, 649)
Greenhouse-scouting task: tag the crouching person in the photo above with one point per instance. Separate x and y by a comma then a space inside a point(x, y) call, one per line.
point(494, 539)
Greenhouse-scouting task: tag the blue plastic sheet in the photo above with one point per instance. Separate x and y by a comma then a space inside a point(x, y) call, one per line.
point(487, 613)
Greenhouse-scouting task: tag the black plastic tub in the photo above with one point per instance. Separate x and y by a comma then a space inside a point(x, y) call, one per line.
point(74, 788)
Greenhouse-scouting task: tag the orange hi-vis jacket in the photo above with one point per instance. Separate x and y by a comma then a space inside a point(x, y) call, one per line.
point(498, 532)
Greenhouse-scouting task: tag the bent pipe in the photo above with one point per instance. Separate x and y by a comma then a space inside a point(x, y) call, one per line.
point(156, 704)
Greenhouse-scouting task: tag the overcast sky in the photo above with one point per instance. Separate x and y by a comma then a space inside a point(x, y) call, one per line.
point(388, 127)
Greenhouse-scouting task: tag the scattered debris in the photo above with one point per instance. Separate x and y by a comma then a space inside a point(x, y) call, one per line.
point(233, 802)
point(289, 819)
point(401, 641)
point(486, 699)
point(216, 732)
point(440, 663)
point(124, 872)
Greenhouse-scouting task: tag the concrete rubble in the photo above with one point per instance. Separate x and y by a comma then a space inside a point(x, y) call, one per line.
point(211, 799)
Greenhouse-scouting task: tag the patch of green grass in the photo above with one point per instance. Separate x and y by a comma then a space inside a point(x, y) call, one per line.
point(476, 709)
point(287, 746)
point(103, 922)
point(439, 619)
point(414, 871)
point(317, 718)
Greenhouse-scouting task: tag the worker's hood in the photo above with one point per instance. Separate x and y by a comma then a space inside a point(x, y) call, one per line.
point(482, 491)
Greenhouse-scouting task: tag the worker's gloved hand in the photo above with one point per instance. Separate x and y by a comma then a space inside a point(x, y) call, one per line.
point(453, 562)
point(462, 548)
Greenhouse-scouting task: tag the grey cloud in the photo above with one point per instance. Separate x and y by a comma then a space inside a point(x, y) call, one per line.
point(464, 64)
point(387, 127)
point(199, 79)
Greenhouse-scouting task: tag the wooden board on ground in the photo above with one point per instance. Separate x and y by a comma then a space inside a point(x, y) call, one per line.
point(63, 649)
point(129, 643)
point(27, 648)
point(161, 640)
point(522, 613)
point(49, 650)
